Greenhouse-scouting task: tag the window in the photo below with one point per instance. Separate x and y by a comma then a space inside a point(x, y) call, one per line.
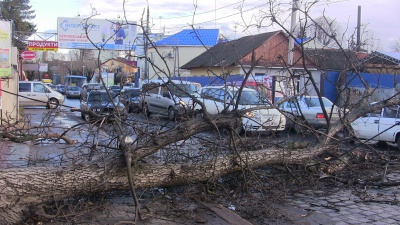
point(151, 88)
point(25, 87)
point(38, 88)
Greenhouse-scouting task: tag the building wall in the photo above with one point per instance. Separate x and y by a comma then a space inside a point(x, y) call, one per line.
point(175, 57)
point(10, 100)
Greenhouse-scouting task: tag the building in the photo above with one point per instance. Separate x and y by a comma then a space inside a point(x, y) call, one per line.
point(169, 54)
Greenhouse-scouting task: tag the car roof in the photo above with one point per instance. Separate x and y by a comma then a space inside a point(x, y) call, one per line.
point(230, 88)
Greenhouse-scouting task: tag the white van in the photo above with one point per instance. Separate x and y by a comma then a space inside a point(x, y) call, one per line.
point(218, 98)
point(36, 93)
point(165, 98)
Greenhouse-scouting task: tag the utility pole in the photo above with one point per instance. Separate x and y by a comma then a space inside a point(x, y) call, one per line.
point(291, 48)
point(145, 35)
point(358, 48)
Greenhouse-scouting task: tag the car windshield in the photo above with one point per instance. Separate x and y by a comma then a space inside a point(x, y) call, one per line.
point(74, 88)
point(314, 102)
point(251, 97)
point(100, 97)
point(189, 88)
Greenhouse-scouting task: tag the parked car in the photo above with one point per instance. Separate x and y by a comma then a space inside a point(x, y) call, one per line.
point(169, 99)
point(86, 88)
point(52, 86)
point(130, 97)
point(217, 98)
point(73, 92)
point(36, 93)
point(382, 125)
point(115, 88)
point(306, 111)
point(60, 88)
point(101, 103)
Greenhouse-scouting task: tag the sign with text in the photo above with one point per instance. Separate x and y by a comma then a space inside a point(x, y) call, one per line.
point(5, 49)
point(43, 67)
point(78, 33)
point(28, 55)
point(43, 46)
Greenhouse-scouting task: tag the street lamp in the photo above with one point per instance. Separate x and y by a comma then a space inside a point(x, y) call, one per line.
point(83, 70)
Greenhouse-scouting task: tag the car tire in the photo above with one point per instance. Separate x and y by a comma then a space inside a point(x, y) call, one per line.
point(171, 113)
point(398, 143)
point(86, 117)
point(146, 110)
point(52, 103)
point(299, 125)
point(130, 108)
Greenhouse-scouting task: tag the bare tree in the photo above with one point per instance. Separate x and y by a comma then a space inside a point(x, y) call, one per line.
point(396, 45)
point(142, 152)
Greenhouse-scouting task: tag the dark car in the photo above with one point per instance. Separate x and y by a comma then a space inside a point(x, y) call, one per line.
point(100, 103)
point(130, 97)
point(86, 88)
point(115, 88)
point(60, 88)
point(73, 92)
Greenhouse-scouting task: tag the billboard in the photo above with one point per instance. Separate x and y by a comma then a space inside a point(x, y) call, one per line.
point(5, 49)
point(106, 34)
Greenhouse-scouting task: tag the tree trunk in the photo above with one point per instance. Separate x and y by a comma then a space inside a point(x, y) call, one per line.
point(22, 187)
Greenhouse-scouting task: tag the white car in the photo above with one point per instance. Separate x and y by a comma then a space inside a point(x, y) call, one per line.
point(306, 111)
point(382, 126)
point(216, 98)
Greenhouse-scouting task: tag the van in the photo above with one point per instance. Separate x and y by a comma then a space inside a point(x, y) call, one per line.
point(216, 99)
point(167, 98)
point(36, 93)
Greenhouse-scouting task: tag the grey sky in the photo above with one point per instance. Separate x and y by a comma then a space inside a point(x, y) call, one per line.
point(171, 16)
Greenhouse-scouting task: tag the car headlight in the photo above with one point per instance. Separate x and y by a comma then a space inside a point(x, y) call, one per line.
point(182, 103)
point(250, 114)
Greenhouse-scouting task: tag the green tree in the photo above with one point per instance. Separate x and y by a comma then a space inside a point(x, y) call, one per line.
point(20, 12)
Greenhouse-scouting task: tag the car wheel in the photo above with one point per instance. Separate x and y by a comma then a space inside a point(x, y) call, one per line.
point(146, 110)
point(299, 125)
point(52, 103)
point(130, 108)
point(240, 130)
point(171, 113)
point(86, 117)
point(198, 115)
point(398, 143)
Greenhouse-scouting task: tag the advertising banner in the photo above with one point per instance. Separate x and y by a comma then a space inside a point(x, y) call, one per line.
point(74, 33)
point(42, 46)
point(5, 49)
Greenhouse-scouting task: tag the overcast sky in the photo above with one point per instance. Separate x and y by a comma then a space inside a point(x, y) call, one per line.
point(171, 17)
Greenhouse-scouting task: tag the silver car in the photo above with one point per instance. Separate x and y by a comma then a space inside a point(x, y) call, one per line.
point(306, 111)
point(73, 92)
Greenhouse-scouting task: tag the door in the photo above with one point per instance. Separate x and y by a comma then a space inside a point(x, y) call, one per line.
point(389, 124)
point(367, 127)
point(25, 90)
point(40, 93)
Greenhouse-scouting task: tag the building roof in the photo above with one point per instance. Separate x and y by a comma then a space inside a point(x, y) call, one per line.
point(230, 52)
point(191, 37)
point(377, 57)
point(124, 61)
point(331, 59)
